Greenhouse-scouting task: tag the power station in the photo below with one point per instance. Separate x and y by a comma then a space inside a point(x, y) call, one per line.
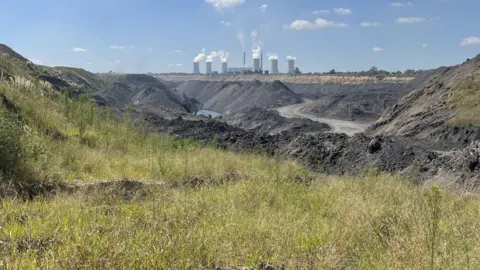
point(256, 67)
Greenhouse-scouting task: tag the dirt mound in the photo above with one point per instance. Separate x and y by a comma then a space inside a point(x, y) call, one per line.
point(140, 90)
point(87, 81)
point(424, 114)
point(269, 121)
point(4, 49)
point(229, 97)
point(363, 102)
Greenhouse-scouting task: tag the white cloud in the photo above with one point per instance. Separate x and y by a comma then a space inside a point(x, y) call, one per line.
point(36, 62)
point(116, 61)
point(321, 12)
point(89, 63)
point(396, 4)
point(178, 51)
point(409, 20)
point(377, 49)
point(220, 5)
point(116, 47)
point(149, 49)
point(318, 23)
point(263, 8)
point(400, 4)
point(179, 65)
point(342, 11)
point(370, 24)
point(75, 49)
point(424, 45)
point(470, 41)
point(228, 24)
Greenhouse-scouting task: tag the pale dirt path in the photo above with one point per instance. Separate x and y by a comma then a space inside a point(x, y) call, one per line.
point(338, 126)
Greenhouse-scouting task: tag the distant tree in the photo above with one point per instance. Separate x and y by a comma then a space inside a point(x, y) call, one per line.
point(373, 71)
point(410, 72)
point(332, 71)
point(267, 72)
point(297, 71)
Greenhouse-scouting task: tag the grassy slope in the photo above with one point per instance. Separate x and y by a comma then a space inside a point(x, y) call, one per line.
point(466, 103)
point(261, 214)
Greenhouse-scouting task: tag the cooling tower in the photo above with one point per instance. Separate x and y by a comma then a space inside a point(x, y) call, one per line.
point(196, 67)
point(274, 66)
point(256, 65)
point(209, 68)
point(291, 66)
point(224, 67)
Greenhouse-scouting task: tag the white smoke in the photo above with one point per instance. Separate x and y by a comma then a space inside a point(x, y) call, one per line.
point(212, 56)
point(257, 51)
point(224, 56)
point(291, 57)
point(241, 38)
point(272, 56)
point(200, 57)
point(256, 45)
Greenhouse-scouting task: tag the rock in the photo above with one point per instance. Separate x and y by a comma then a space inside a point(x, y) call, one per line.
point(374, 146)
point(473, 164)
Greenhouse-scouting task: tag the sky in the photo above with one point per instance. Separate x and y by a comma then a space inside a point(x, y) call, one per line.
point(166, 35)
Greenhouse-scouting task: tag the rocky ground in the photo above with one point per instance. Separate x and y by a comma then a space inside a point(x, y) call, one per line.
point(338, 154)
point(269, 121)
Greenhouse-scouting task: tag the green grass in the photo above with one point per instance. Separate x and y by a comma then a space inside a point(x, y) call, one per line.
point(243, 210)
point(466, 104)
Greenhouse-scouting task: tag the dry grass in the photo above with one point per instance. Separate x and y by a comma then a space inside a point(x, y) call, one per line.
point(364, 223)
point(466, 103)
point(205, 206)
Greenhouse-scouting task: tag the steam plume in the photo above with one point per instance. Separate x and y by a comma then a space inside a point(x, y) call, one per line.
point(200, 57)
point(257, 45)
point(272, 56)
point(224, 56)
point(241, 38)
point(291, 57)
point(212, 56)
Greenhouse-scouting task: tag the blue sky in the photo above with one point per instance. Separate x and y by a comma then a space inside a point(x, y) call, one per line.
point(165, 35)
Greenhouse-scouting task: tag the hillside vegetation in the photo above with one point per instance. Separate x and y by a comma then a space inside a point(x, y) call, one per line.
point(83, 188)
point(466, 104)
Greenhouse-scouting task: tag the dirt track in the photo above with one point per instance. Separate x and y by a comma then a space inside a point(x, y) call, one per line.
point(338, 126)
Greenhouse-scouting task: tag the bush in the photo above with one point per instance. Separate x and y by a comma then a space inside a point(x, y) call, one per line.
point(10, 148)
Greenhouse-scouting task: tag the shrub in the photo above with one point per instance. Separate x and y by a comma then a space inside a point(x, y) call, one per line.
point(10, 148)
